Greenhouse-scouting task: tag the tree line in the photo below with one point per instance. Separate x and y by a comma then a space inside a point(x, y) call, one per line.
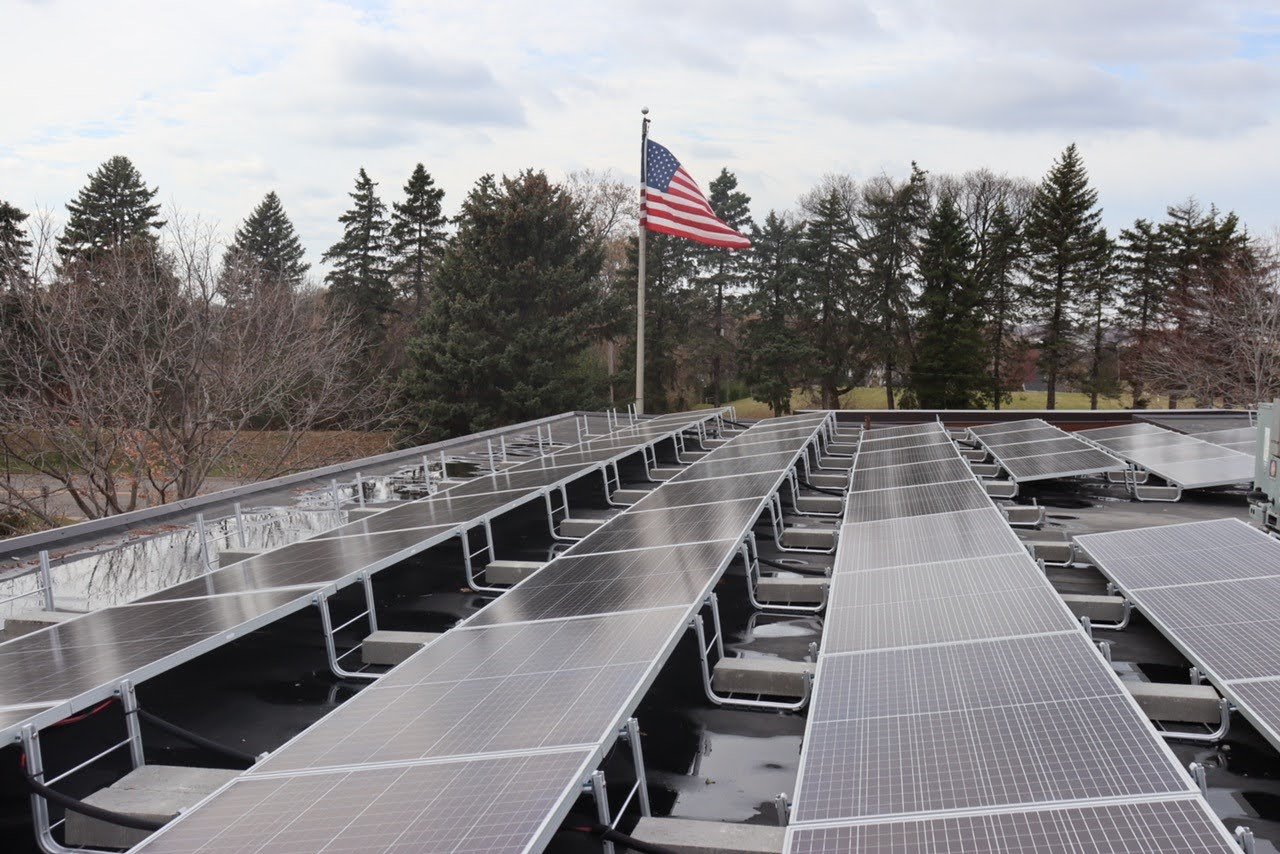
point(942, 290)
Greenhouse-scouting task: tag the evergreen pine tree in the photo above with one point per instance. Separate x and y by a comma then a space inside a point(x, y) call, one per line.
point(15, 246)
point(1097, 291)
point(113, 211)
point(777, 354)
point(1060, 230)
point(360, 280)
point(1144, 288)
point(892, 214)
point(949, 371)
point(267, 243)
point(1002, 307)
point(417, 235)
point(724, 269)
point(513, 313)
point(829, 283)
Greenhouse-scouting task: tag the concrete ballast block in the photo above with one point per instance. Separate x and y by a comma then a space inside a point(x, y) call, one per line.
point(1103, 609)
point(774, 676)
point(985, 469)
point(154, 792)
point(510, 571)
point(664, 473)
point(829, 480)
point(628, 496)
point(1173, 701)
point(693, 456)
point(842, 448)
point(691, 836)
point(819, 503)
point(390, 648)
point(579, 527)
point(1024, 514)
point(814, 538)
point(975, 455)
point(791, 590)
point(835, 462)
point(1050, 551)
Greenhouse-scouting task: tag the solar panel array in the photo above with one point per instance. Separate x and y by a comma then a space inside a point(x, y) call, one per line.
point(1181, 460)
point(1242, 439)
point(481, 741)
point(958, 706)
point(1213, 588)
point(56, 671)
point(1033, 449)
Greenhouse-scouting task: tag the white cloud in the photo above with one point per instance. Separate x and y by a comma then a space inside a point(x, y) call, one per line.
point(218, 103)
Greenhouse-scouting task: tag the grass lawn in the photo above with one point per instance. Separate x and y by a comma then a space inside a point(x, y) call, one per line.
point(873, 398)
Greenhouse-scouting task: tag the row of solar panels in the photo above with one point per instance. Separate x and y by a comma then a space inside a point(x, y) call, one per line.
point(1033, 449)
point(481, 741)
point(1182, 460)
point(51, 673)
point(1213, 588)
point(958, 706)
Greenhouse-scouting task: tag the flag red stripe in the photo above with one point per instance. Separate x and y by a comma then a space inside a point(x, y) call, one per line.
point(739, 243)
point(678, 210)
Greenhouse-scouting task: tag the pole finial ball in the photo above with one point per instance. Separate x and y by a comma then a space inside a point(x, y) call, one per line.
point(644, 111)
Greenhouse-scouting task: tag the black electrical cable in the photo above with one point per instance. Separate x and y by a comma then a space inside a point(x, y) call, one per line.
point(69, 803)
point(834, 492)
point(197, 740)
point(609, 834)
point(736, 423)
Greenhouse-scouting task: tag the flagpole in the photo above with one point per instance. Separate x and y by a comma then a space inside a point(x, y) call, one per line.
point(640, 258)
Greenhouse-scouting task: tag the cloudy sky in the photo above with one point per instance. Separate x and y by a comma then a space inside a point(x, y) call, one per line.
point(216, 103)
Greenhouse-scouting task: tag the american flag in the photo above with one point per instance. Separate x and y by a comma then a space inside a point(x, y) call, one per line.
point(673, 204)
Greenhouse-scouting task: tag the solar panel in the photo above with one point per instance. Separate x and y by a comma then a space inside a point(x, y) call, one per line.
point(750, 465)
point(1181, 460)
point(1085, 461)
point(911, 474)
point(475, 805)
point(1145, 440)
point(598, 584)
point(944, 536)
point(983, 758)
point(973, 616)
point(915, 501)
point(684, 493)
point(1135, 429)
point(1242, 439)
point(1211, 588)
point(1148, 827)
point(79, 656)
point(492, 689)
point(955, 677)
point(1025, 451)
point(649, 529)
point(877, 433)
point(758, 449)
point(868, 459)
point(936, 437)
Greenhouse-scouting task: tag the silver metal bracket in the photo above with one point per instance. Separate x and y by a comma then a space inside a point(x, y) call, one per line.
point(717, 643)
point(751, 562)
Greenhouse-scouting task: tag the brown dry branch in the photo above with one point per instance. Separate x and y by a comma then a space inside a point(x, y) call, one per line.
point(132, 381)
point(1227, 350)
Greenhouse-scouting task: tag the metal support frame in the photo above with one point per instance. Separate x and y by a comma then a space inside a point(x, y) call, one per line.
point(596, 785)
point(1132, 485)
point(775, 519)
point(751, 562)
point(1199, 776)
point(612, 483)
point(1123, 622)
point(717, 643)
point(329, 631)
point(1244, 837)
point(203, 545)
point(782, 804)
point(469, 556)
point(650, 455)
point(793, 481)
point(1211, 737)
point(552, 510)
point(30, 739)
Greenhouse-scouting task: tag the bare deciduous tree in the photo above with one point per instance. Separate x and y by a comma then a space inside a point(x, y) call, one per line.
point(135, 381)
point(1228, 350)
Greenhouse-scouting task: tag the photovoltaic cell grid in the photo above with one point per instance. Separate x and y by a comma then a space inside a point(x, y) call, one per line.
point(1242, 439)
point(952, 677)
point(549, 672)
point(1181, 460)
point(1213, 588)
point(1033, 449)
point(79, 661)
